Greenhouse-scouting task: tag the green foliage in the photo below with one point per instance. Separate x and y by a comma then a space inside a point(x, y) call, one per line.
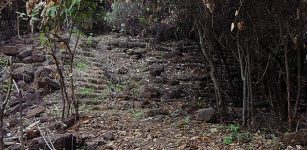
point(136, 114)
point(228, 140)
point(234, 128)
point(187, 120)
point(86, 91)
point(42, 39)
point(115, 88)
point(3, 62)
point(243, 137)
point(90, 40)
point(81, 64)
point(237, 135)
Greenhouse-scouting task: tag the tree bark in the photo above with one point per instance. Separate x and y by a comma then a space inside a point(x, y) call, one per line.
point(216, 83)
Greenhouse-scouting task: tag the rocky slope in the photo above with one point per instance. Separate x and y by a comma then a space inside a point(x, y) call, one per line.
point(134, 95)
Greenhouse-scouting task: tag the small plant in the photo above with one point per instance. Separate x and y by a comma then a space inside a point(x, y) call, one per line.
point(244, 137)
point(136, 114)
point(228, 140)
point(90, 40)
point(114, 88)
point(86, 91)
point(186, 120)
point(236, 135)
point(234, 128)
point(2, 62)
point(82, 64)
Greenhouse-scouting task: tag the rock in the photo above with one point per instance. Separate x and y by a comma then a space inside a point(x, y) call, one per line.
point(25, 53)
point(155, 112)
point(108, 136)
point(29, 98)
point(38, 56)
point(13, 122)
point(177, 93)
point(295, 138)
point(60, 141)
point(54, 85)
point(173, 82)
point(27, 60)
point(15, 146)
point(91, 145)
point(9, 50)
point(135, 51)
point(36, 111)
point(23, 72)
point(123, 70)
point(43, 72)
point(158, 79)
point(136, 56)
point(32, 133)
point(149, 92)
point(206, 114)
point(156, 70)
point(9, 143)
point(43, 79)
point(22, 76)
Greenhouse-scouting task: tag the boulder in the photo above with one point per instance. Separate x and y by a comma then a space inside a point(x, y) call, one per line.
point(22, 76)
point(38, 56)
point(27, 60)
point(23, 72)
point(9, 50)
point(295, 138)
point(156, 112)
point(43, 78)
point(108, 136)
point(156, 70)
point(136, 56)
point(60, 141)
point(25, 53)
point(206, 114)
point(177, 93)
point(43, 72)
point(149, 92)
point(35, 111)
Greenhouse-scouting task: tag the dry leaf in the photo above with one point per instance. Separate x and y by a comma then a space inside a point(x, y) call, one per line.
point(237, 13)
point(63, 45)
point(232, 26)
point(30, 5)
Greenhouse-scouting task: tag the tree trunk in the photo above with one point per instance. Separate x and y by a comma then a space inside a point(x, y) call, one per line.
point(219, 101)
point(288, 87)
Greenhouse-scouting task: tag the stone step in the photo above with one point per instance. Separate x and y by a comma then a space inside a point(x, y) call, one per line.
point(86, 54)
point(91, 86)
point(91, 80)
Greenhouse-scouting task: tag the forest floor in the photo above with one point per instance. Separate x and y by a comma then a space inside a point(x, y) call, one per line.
point(133, 96)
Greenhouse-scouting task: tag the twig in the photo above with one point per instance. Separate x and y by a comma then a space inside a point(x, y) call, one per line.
point(21, 114)
point(50, 145)
point(5, 5)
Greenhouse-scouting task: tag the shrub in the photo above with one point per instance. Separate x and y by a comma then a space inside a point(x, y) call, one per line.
point(125, 17)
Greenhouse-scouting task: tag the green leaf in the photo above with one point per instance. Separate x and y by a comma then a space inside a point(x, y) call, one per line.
point(234, 128)
point(228, 140)
point(52, 11)
point(42, 39)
